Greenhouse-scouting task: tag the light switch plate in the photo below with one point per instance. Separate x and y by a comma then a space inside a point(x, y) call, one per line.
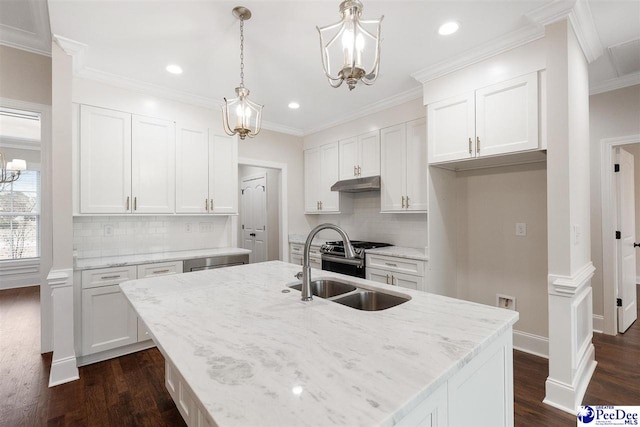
point(521, 228)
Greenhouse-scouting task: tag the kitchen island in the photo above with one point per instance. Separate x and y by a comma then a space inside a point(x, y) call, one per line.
point(240, 351)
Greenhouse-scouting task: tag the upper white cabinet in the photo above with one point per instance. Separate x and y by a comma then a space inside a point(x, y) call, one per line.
point(207, 170)
point(498, 119)
point(153, 165)
point(403, 167)
point(320, 173)
point(360, 156)
point(105, 161)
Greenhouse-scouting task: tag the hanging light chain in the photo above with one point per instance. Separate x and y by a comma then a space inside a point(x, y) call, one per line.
point(241, 52)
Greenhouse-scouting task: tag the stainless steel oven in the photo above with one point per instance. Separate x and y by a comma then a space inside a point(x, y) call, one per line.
point(333, 257)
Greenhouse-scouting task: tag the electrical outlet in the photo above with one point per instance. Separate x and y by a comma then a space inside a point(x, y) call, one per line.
point(206, 227)
point(521, 228)
point(108, 230)
point(188, 227)
point(505, 301)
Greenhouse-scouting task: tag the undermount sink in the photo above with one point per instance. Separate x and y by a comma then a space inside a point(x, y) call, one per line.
point(371, 301)
point(325, 288)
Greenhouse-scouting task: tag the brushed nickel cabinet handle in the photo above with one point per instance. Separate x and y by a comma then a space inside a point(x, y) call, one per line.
point(470, 142)
point(387, 279)
point(390, 264)
point(477, 144)
point(206, 204)
point(355, 170)
point(135, 203)
point(128, 197)
point(402, 202)
point(407, 202)
point(166, 270)
point(320, 204)
point(359, 171)
point(394, 284)
point(211, 204)
point(116, 276)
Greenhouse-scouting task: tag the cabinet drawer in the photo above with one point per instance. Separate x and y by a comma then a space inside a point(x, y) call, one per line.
point(159, 269)
point(107, 276)
point(397, 265)
point(297, 248)
point(402, 280)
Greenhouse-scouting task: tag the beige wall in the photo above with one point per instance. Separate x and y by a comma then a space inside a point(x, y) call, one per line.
point(491, 259)
point(611, 114)
point(25, 76)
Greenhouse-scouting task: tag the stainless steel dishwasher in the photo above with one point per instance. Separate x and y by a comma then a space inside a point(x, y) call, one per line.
point(208, 263)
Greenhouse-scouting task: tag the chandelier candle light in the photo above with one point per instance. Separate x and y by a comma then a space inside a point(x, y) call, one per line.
point(347, 46)
point(240, 115)
point(10, 172)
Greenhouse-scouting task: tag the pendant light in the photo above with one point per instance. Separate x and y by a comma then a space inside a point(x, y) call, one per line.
point(240, 115)
point(347, 45)
point(10, 171)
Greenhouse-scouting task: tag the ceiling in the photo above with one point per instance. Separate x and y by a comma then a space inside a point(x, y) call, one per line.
point(132, 41)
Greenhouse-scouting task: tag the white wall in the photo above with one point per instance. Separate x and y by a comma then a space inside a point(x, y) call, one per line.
point(611, 114)
point(491, 259)
point(273, 211)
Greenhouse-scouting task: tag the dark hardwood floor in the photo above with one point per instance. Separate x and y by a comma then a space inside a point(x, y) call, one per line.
point(129, 390)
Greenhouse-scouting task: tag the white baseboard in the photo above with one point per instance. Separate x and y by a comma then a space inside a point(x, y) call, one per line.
point(63, 371)
point(530, 343)
point(598, 323)
point(567, 397)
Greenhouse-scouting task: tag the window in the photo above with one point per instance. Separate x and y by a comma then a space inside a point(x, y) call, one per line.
point(20, 217)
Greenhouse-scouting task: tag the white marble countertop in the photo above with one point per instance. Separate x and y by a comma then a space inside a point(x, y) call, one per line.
point(301, 239)
point(400, 252)
point(244, 346)
point(135, 259)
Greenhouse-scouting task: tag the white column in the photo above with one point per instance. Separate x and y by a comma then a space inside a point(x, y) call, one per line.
point(571, 351)
point(63, 364)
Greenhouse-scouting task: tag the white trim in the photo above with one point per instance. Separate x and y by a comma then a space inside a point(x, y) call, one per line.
point(45, 214)
point(571, 285)
point(275, 127)
point(567, 397)
point(38, 42)
point(598, 323)
point(376, 107)
point(74, 49)
point(114, 352)
point(608, 228)
point(486, 50)
point(551, 12)
point(20, 273)
point(615, 83)
point(637, 280)
point(585, 30)
point(284, 197)
point(531, 343)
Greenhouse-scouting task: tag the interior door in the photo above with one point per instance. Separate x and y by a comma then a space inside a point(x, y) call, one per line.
point(254, 217)
point(627, 312)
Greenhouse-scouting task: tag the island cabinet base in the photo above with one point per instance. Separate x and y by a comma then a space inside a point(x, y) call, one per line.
point(185, 399)
point(479, 395)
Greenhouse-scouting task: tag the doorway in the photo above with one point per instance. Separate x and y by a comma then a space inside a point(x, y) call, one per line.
point(620, 222)
point(259, 228)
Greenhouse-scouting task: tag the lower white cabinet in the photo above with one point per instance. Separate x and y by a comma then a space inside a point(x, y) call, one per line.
point(406, 273)
point(108, 321)
point(296, 255)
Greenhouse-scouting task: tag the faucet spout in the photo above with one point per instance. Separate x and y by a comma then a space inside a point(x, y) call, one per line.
point(349, 252)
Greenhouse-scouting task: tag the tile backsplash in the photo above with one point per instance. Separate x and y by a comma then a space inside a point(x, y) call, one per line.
point(102, 236)
point(365, 222)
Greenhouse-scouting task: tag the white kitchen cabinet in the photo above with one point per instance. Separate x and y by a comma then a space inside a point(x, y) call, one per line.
point(359, 157)
point(159, 269)
point(223, 174)
point(296, 255)
point(498, 119)
point(321, 171)
point(153, 165)
point(105, 161)
point(402, 272)
point(403, 168)
point(207, 171)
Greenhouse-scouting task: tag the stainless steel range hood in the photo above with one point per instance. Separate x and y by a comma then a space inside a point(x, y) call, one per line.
point(357, 185)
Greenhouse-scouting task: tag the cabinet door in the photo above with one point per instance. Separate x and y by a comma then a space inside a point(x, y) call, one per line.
point(330, 200)
point(153, 165)
point(295, 259)
point(392, 168)
point(407, 281)
point(105, 161)
point(143, 332)
point(311, 180)
point(192, 170)
point(369, 154)
point(507, 116)
point(451, 129)
point(108, 321)
point(223, 174)
point(379, 276)
point(348, 158)
point(416, 192)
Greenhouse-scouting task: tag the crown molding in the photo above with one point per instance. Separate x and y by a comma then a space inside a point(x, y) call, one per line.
point(38, 42)
point(616, 83)
point(486, 50)
point(376, 107)
point(552, 12)
point(276, 127)
point(585, 30)
point(73, 48)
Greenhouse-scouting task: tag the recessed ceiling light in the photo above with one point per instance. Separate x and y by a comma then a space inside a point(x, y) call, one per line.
point(448, 28)
point(174, 69)
point(294, 105)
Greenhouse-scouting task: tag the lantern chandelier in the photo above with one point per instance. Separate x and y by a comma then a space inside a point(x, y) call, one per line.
point(353, 36)
point(10, 171)
point(240, 115)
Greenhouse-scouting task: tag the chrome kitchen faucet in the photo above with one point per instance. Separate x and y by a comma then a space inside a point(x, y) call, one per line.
point(305, 274)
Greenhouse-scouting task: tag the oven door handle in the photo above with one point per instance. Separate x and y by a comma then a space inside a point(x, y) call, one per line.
point(357, 262)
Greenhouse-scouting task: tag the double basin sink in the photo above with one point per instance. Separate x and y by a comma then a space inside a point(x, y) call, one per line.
point(347, 294)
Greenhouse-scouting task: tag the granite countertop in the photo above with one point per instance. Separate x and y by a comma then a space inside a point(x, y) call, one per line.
point(254, 355)
point(135, 259)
